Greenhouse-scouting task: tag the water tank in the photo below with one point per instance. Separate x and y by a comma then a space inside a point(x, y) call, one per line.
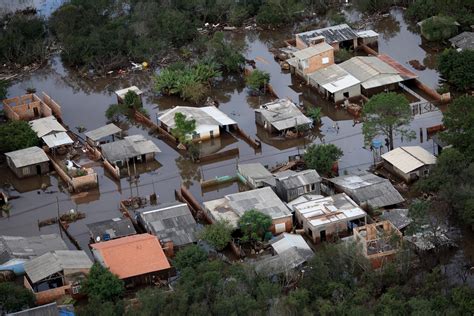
point(377, 143)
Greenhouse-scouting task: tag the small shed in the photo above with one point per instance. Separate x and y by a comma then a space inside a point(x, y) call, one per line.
point(122, 92)
point(335, 83)
point(256, 175)
point(28, 162)
point(290, 184)
point(280, 116)
point(111, 229)
point(172, 223)
point(103, 134)
point(409, 162)
point(463, 41)
point(134, 148)
point(398, 217)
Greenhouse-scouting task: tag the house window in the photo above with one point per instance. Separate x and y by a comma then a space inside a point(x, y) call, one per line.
point(301, 191)
point(303, 64)
point(325, 60)
point(76, 289)
point(26, 171)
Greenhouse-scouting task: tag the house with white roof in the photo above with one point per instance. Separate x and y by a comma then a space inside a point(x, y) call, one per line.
point(210, 121)
point(324, 218)
point(409, 162)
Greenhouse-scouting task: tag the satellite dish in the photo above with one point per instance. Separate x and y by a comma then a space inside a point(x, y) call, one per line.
point(97, 238)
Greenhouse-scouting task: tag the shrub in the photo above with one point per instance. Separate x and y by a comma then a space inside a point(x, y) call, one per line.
point(102, 285)
point(254, 225)
point(257, 80)
point(315, 114)
point(14, 298)
point(189, 257)
point(218, 234)
point(322, 157)
point(15, 135)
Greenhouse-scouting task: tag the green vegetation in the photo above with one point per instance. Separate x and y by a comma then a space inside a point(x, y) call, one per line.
point(257, 80)
point(456, 68)
point(189, 82)
point(342, 55)
point(190, 257)
point(22, 40)
point(225, 53)
point(183, 128)
point(315, 114)
point(3, 89)
point(322, 158)
point(439, 28)
point(218, 235)
point(279, 12)
point(131, 102)
point(15, 135)
point(387, 114)
point(102, 285)
point(373, 6)
point(14, 298)
point(460, 10)
point(253, 225)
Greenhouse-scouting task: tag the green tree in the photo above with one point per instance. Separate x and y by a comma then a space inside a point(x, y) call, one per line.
point(254, 225)
point(315, 114)
point(439, 28)
point(97, 307)
point(322, 157)
point(387, 114)
point(183, 127)
point(455, 67)
point(373, 6)
point(3, 89)
point(189, 257)
point(225, 53)
point(15, 135)
point(102, 285)
point(14, 298)
point(257, 80)
point(459, 123)
point(218, 234)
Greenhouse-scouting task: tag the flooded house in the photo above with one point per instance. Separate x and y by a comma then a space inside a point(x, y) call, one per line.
point(409, 162)
point(210, 121)
point(255, 175)
point(281, 116)
point(103, 134)
point(232, 206)
point(312, 58)
point(326, 218)
point(338, 36)
point(380, 242)
point(335, 83)
point(368, 37)
point(367, 190)
point(122, 92)
point(137, 259)
point(51, 132)
point(398, 217)
point(111, 229)
point(463, 41)
point(289, 252)
point(172, 223)
point(290, 184)
point(29, 107)
point(56, 274)
point(16, 250)
point(28, 162)
point(135, 148)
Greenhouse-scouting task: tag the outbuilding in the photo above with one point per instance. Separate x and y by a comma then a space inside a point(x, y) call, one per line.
point(335, 83)
point(280, 116)
point(290, 184)
point(255, 175)
point(103, 134)
point(131, 148)
point(28, 162)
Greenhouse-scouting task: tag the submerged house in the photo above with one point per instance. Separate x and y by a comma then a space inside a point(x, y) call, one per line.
point(463, 41)
point(280, 116)
point(51, 132)
point(103, 134)
point(232, 206)
point(255, 175)
point(111, 229)
point(16, 250)
point(335, 83)
point(290, 184)
point(137, 259)
point(135, 148)
point(28, 162)
point(312, 58)
point(210, 121)
point(367, 190)
point(338, 36)
point(122, 92)
point(29, 107)
point(324, 218)
point(409, 162)
point(56, 274)
point(172, 223)
point(380, 242)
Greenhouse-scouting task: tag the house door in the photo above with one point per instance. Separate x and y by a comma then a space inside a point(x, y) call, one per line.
point(36, 112)
point(322, 235)
point(38, 169)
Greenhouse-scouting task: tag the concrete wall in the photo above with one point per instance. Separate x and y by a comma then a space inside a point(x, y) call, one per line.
point(276, 224)
point(353, 91)
point(316, 62)
point(299, 43)
point(47, 296)
point(55, 108)
point(28, 171)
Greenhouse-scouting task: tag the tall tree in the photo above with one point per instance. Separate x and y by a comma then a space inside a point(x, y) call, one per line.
point(189, 257)
point(387, 114)
point(254, 225)
point(456, 68)
point(322, 158)
point(102, 285)
point(218, 234)
point(15, 135)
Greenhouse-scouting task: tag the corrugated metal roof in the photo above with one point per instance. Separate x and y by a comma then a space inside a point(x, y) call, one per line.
point(286, 241)
point(282, 263)
point(56, 261)
point(103, 131)
point(298, 179)
point(332, 34)
point(111, 228)
point(254, 171)
point(409, 158)
point(366, 187)
point(398, 217)
point(121, 93)
point(50, 309)
point(171, 222)
point(27, 157)
point(57, 139)
point(367, 34)
point(129, 147)
point(29, 247)
point(333, 78)
point(283, 114)
point(311, 51)
point(465, 40)
point(46, 125)
point(208, 116)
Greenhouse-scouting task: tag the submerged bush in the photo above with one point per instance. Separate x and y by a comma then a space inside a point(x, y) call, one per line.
point(257, 80)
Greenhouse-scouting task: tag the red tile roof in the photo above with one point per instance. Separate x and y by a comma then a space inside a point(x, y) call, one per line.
point(133, 255)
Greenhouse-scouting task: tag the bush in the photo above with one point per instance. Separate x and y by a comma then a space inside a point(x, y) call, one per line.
point(254, 225)
point(237, 15)
point(14, 298)
point(226, 54)
point(15, 135)
point(218, 234)
point(342, 55)
point(439, 28)
point(189, 257)
point(322, 158)
point(102, 285)
point(456, 68)
point(315, 114)
point(257, 80)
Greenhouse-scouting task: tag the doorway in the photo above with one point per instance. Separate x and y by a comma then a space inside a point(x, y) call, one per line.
point(322, 235)
point(38, 169)
point(36, 112)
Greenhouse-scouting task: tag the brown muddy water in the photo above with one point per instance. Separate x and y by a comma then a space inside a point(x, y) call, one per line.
point(84, 103)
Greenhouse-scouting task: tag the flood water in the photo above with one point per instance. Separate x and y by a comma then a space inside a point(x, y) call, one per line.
point(84, 103)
